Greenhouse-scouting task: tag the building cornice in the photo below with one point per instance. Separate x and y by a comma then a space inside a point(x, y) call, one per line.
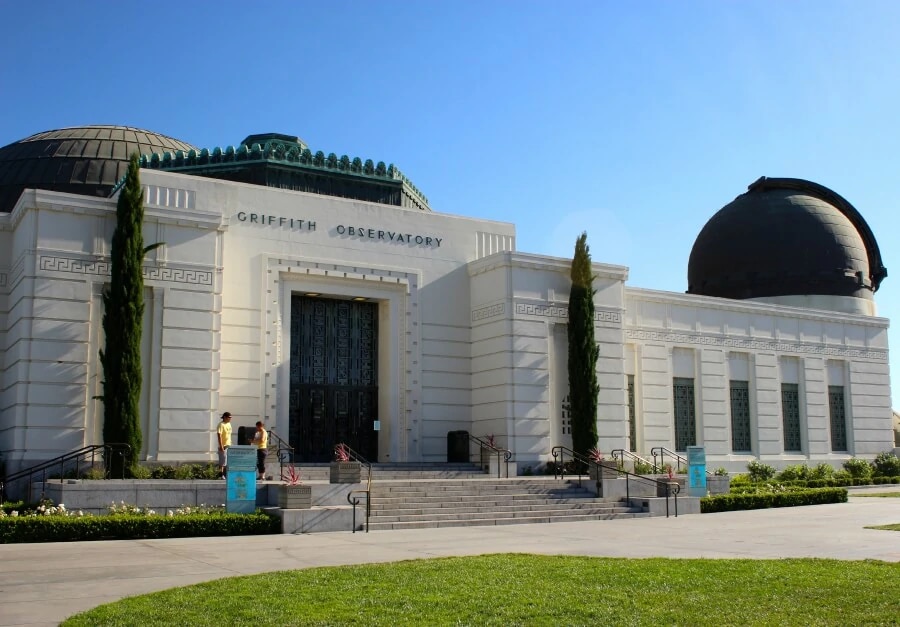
point(531, 261)
point(750, 307)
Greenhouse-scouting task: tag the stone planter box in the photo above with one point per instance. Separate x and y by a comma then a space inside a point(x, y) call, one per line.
point(717, 484)
point(661, 487)
point(606, 470)
point(294, 496)
point(345, 472)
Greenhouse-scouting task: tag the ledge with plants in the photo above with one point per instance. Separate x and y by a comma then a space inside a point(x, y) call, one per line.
point(54, 523)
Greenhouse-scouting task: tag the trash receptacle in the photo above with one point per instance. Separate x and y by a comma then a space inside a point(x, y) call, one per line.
point(457, 447)
point(245, 435)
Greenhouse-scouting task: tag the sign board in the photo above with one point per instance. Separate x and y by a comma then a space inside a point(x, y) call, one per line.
point(696, 456)
point(376, 425)
point(240, 488)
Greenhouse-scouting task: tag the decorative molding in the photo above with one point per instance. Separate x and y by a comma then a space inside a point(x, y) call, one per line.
point(562, 312)
point(483, 313)
point(731, 342)
point(3, 279)
point(49, 263)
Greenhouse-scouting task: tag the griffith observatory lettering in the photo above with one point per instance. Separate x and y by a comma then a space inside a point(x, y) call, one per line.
point(388, 236)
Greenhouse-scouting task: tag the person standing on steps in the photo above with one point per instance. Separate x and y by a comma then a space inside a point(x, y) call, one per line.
point(224, 438)
point(261, 442)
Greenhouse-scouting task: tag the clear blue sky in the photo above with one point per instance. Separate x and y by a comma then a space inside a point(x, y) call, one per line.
point(635, 121)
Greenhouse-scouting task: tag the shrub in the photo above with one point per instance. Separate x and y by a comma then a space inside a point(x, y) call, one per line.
point(794, 473)
point(821, 471)
point(760, 471)
point(130, 527)
point(642, 467)
point(761, 500)
point(740, 480)
point(721, 471)
point(163, 472)
point(858, 468)
point(141, 472)
point(886, 464)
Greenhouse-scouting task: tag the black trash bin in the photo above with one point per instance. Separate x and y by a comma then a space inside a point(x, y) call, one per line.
point(457, 447)
point(245, 435)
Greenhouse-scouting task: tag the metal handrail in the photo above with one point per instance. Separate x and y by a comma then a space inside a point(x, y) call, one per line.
point(671, 488)
point(486, 446)
point(60, 462)
point(368, 491)
point(283, 451)
point(620, 454)
point(662, 451)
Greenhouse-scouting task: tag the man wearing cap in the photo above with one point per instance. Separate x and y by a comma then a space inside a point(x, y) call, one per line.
point(224, 435)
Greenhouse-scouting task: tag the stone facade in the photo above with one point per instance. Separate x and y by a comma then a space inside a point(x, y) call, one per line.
point(471, 333)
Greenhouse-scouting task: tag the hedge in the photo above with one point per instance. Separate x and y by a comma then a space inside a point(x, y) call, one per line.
point(131, 527)
point(733, 502)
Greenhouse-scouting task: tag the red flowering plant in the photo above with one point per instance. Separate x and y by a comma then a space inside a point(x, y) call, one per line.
point(290, 475)
point(669, 471)
point(342, 453)
point(595, 455)
point(490, 441)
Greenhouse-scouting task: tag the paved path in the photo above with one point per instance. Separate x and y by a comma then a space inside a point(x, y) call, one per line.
point(41, 584)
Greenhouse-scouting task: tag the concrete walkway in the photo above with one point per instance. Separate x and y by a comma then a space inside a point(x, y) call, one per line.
point(41, 584)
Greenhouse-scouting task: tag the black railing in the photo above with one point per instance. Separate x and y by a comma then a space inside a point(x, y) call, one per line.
point(662, 451)
point(586, 465)
point(283, 451)
point(619, 455)
point(353, 500)
point(69, 465)
point(487, 450)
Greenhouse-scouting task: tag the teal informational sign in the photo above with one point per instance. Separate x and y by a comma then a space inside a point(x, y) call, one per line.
point(240, 489)
point(696, 456)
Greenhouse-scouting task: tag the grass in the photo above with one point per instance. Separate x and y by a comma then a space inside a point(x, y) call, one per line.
point(519, 589)
point(889, 495)
point(894, 527)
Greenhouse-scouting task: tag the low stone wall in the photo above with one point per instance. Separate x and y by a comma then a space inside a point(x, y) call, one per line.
point(330, 512)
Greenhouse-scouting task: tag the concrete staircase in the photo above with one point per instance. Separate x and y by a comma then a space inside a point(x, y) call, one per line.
point(428, 495)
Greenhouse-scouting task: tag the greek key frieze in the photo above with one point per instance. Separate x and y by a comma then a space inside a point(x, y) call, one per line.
point(102, 268)
point(490, 311)
point(755, 344)
point(562, 312)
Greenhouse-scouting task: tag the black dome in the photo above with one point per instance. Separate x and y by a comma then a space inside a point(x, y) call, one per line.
point(786, 237)
point(87, 160)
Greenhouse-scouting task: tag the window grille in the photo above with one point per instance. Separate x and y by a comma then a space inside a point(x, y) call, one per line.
point(632, 426)
point(740, 416)
point(685, 425)
point(790, 415)
point(836, 409)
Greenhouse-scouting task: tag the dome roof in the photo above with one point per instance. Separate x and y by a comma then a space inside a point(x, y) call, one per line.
point(86, 160)
point(786, 237)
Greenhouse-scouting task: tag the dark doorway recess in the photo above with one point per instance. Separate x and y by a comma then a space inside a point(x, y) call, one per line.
point(334, 377)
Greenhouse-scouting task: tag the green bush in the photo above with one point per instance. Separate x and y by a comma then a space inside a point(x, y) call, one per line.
point(132, 527)
point(721, 471)
point(740, 480)
point(858, 468)
point(886, 464)
point(760, 471)
point(794, 473)
point(883, 480)
point(821, 471)
point(734, 502)
point(642, 468)
point(141, 472)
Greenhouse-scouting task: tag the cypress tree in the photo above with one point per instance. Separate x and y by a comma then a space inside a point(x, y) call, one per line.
point(122, 323)
point(583, 352)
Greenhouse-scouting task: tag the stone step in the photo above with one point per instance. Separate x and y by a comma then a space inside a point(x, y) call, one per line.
point(597, 511)
point(431, 491)
point(476, 499)
point(492, 510)
point(481, 522)
point(386, 504)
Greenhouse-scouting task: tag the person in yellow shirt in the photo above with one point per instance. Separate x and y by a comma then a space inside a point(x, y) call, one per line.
point(261, 442)
point(224, 437)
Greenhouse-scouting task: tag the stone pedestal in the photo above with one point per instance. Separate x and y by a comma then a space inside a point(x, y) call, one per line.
point(344, 472)
point(294, 497)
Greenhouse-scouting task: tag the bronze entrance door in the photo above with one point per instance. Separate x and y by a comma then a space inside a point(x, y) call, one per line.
point(334, 377)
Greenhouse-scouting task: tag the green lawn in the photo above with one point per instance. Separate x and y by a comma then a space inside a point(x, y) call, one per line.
point(532, 590)
point(895, 527)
